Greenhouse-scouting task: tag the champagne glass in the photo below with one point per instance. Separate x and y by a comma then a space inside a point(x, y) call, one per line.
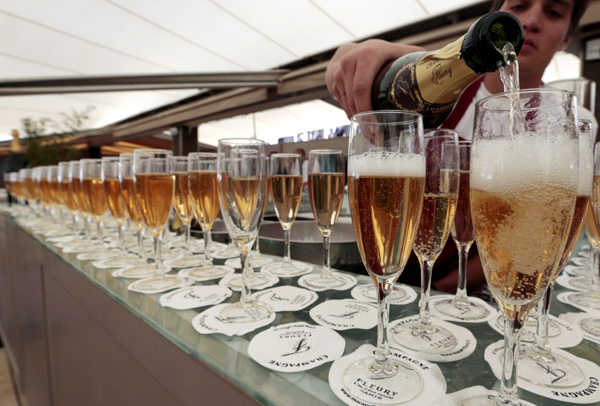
point(326, 181)
point(437, 217)
point(460, 306)
point(116, 204)
point(286, 189)
point(154, 186)
point(84, 210)
point(134, 213)
point(66, 193)
point(386, 178)
point(537, 359)
point(90, 178)
point(255, 259)
point(54, 192)
point(15, 185)
point(241, 187)
point(25, 177)
point(523, 195)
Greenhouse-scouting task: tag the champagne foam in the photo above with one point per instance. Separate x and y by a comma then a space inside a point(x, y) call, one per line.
point(509, 166)
point(385, 163)
point(586, 165)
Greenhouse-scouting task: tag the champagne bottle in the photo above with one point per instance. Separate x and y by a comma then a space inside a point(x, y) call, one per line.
point(431, 82)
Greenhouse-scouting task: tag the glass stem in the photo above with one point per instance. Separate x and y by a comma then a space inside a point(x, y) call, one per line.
point(382, 364)
point(326, 272)
point(287, 260)
point(121, 232)
point(460, 299)
point(142, 253)
point(245, 259)
point(207, 244)
point(74, 221)
point(99, 232)
point(595, 288)
point(186, 231)
point(424, 322)
point(541, 347)
point(507, 395)
point(86, 231)
point(157, 257)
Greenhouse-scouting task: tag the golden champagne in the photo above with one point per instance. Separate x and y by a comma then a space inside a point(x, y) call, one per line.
point(17, 188)
point(46, 192)
point(116, 203)
point(581, 209)
point(437, 216)
point(326, 192)
point(287, 193)
point(30, 186)
point(55, 190)
point(78, 193)
point(8, 187)
point(68, 197)
point(204, 195)
point(239, 197)
point(462, 227)
point(93, 195)
point(154, 193)
point(133, 210)
point(592, 231)
point(183, 205)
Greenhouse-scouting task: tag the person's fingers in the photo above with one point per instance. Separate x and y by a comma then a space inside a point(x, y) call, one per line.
point(348, 67)
point(340, 90)
point(366, 69)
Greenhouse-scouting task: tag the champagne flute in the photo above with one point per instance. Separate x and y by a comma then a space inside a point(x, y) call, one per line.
point(386, 178)
point(154, 186)
point(286, 189)
point(90, 178)
point(255, 259)
point(460, 307)
point(437, 216)
point(25, 177)
point(523, 195)
point(326, 181)
point(54, 191)
point(241, 187)
point(84, 210)
point(66, 193)
point(116, 204)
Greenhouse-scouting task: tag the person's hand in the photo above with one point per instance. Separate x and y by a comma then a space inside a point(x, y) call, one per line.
point(352, 70)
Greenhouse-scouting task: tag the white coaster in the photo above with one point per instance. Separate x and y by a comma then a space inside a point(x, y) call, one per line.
point(569, 334)
point(589, 323)
point(434, 383)
point(78, 249)
point(489, 314)
point(465, 341)
point(223, 254)
point(210, 322)
point(57, 233)
point(195, 296)
point(217, 272)
point(159, 286)
point(580, 261)
point(254, 262)
point(565, 297)
point(271, 280)
point(306, 268)
point(457, 398)
point(96, 255)
point(296, 347)
point(305, 282)
point(574, 270)
point(286, 298)
point(66, 238)
point(402, 294)
point(186, 262)
point(134, 272)
point(169, 254)
point(116, 262)
point(565, 282)
point(585, 393)
point(345, 314)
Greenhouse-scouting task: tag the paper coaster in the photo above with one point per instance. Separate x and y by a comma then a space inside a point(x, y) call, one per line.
point(457, 398)
point(464, 346)
point(372, 392)
point(286, 298)
point(578, 270)
point(296, 347)
point(345, 314)
point(210, 322)
point(225, 253)
point(570, 298)
point(589, 323)
point(169, 254)
point(402, 294)
point(306, 282)
point(305, 268)
point(57, 233)
point(562, 333)
point(66, 238)
point(270, 280)
point(565, 282)
point(159, 286)
point(197, 247)
point(187, 262)
point(195, 296)
point(116, 262)
point(580, 261)
point(96, 255)
point(254, 262)
point(585, 393)
point(134, 271)
point(488, 312)
point(81, 248)
point(216, 272)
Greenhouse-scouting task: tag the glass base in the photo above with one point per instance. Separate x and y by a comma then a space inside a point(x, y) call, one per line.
point(585, 300)
point(431, 340)
point(208, 272)
point(470, 311)
point(254, 281)
point(591, 325)
point(558, 373)
point(140, 271)
point(401, 385)
point(286, 270)
point(488, 400)
point(188, 262)
point(320, 281)
point(259, 262)
point(371, 292)
point(229, 251)
point(159, 282)
point(245, 313)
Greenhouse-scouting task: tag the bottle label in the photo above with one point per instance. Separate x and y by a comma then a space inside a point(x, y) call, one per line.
point(440, 78)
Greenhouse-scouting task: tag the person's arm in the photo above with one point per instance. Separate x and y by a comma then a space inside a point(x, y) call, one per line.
point(353, 68)
point(475, 277)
